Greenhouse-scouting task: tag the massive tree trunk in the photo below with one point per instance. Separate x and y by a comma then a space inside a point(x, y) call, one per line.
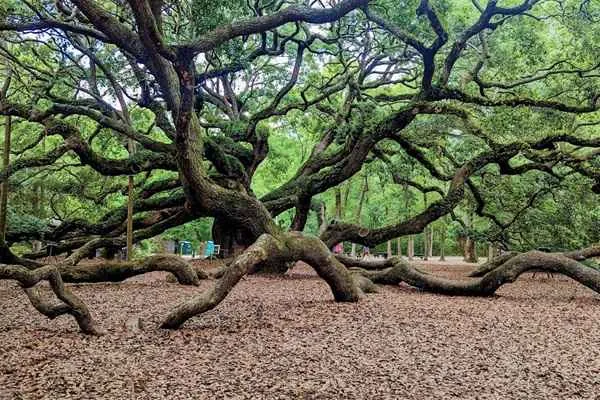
point(291, 247)
point(233, 240)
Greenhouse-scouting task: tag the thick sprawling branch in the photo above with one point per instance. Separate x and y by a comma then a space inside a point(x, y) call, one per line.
point(71, 304)
point(212, 39)
point(119, 271)
point(395, 271)
point(577, 255)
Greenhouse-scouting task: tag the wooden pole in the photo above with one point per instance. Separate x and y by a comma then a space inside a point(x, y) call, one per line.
point(4, 195)
point(131, 149)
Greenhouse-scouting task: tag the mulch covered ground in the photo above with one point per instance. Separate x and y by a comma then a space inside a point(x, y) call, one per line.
point(284, 338)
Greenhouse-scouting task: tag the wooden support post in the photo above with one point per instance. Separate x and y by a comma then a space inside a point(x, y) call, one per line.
point(4, 195)
point(130, 147)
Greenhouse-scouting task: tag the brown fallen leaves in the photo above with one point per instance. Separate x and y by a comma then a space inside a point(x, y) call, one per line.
point(284, 338)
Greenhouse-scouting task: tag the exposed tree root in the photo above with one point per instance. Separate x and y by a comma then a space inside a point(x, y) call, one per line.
point(71, 304)
point(289, 247)
point(394, 271)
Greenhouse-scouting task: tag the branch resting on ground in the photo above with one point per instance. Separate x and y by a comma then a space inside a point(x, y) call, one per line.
point(70, 303)
point(507, 269)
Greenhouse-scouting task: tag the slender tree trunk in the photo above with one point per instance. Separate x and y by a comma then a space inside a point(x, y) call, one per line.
point(411, 247)
point(4, 194)
point(338, 203)
point(36, 206)
point(363, 191)
point(130, 218)
point(399, 245)
point(130, 195)
point(389, 249)
point(426, 244)
point(470, 250)
point(346, 196)
point(430, 247)
point(490, 252)
point(40, 198)
point(338, 207)
point(443, 244)
point(323, 218)
point(469, 245)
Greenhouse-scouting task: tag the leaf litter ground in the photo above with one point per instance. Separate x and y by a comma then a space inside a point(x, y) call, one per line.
point(284, 338)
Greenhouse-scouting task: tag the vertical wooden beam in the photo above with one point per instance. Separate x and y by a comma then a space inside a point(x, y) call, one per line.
point(4, 194)
point(130, 147)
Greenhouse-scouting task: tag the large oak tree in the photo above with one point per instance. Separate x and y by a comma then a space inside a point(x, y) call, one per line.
point(454, 90)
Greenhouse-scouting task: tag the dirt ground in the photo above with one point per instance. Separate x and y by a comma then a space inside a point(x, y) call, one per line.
point(284, 338)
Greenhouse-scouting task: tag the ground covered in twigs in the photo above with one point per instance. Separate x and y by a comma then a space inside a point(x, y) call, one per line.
point(284, 338)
